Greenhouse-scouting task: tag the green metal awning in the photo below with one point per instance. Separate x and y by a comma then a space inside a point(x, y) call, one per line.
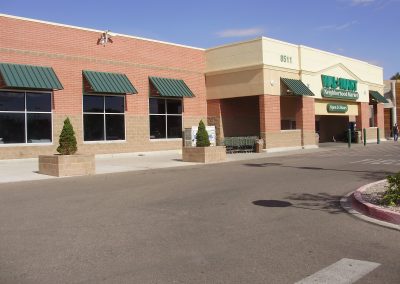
point(377, 97)
point(171, 87)
point(108, 83)
point(297, 87)
point(19, 76)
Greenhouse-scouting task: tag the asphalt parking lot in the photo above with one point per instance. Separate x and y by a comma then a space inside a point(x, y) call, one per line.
point(270, 220)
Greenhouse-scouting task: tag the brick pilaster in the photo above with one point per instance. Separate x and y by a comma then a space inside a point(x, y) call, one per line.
point(215, 119)
point(305, 120)
point(362, 119)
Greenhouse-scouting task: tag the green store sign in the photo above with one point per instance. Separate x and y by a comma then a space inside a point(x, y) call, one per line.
point(339, 88)
point(337, 108)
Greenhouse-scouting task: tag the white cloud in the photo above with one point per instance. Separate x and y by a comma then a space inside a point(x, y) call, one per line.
point(241, 32)
point(337, 27)
point(361, 2)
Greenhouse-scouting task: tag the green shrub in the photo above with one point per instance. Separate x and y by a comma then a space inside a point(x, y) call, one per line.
point(67, 139)
point(202, 136)
point(391, 196)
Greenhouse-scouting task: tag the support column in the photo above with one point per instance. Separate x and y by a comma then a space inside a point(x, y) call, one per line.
point(362, 119)
point(270, 116)
point(305, 120)
point(380, 119)
point(214, 118)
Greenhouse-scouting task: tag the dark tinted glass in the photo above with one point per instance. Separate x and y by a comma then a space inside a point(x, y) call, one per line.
point(93, 103)
point(174, 106)
point(174, 126)
point(157, 126)
point(38, 102)
point(93, 125)
point(10, 101)
point(157, 106)
point(12, 128)
point(39, 127)
point(115, 104)
point(115, 127)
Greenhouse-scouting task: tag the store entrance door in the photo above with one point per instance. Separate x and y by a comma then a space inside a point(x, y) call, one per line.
point(332, 128)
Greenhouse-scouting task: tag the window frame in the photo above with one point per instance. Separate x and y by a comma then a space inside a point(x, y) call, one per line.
point(104, 113)
point(166, 114)
point(26, 112)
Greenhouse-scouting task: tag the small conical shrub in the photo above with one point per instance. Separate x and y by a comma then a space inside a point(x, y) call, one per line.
point(202, 136)
point(67, 139)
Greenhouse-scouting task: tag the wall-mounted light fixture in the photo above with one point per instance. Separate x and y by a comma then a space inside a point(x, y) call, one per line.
point(105, 38)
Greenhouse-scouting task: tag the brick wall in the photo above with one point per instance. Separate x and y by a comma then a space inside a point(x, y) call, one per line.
point(380, 117)
point(240, 116)
point(305, 119)
point(70, 50)
point(215, 119)
point(397, 88)
point(270, 113)
point(362, 119)
point(282, 139)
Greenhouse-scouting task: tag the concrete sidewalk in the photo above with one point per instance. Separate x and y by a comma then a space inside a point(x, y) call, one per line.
point(27, 169)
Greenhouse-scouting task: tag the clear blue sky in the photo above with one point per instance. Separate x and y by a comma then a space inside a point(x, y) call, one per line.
point(363, 29)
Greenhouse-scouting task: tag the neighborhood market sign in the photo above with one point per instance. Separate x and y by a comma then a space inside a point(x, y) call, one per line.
point(339, 88)
point(337, 108)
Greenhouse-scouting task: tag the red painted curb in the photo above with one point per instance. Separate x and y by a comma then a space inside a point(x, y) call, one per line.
point(372, 210)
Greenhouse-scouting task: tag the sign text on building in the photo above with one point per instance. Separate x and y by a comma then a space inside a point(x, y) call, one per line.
point(339, 88)
point(337, 108)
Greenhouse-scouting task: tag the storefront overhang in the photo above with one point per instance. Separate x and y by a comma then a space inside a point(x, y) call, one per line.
point(108, 83)
point(19, 76)
point(297, 87)
point(171, 87)
point(377, 97)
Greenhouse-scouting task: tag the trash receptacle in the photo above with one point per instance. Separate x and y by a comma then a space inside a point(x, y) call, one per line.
point(259, 145)
point(357, 137)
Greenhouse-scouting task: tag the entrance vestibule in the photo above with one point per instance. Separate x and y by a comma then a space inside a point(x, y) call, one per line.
point(331, 128)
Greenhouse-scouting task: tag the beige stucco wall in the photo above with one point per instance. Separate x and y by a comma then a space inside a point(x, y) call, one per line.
point(321, 107)
point(255, 67)
point(314, 60)
point(233, 56)
point(235, 84)
point(273, 49)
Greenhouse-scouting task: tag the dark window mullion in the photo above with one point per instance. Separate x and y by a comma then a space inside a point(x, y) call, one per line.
point(104, 118)
point(26, 121)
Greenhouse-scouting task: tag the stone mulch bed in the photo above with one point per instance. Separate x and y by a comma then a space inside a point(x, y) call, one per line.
point(374, 194)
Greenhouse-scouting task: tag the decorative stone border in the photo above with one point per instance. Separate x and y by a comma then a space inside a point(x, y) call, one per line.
point(372, 210)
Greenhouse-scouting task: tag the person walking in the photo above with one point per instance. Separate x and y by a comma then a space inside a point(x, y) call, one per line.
point(395, 132)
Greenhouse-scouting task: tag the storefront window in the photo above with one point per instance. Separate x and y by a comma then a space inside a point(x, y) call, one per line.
point(103, 118)
point(165, 118)
point(288, 124)
point(25, 117)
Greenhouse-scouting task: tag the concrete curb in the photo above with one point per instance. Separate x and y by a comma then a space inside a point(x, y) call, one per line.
point(372, 210)
point(346, 203)
point(357, 207)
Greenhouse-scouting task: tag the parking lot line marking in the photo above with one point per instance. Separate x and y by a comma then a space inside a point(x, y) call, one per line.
point(345, 271)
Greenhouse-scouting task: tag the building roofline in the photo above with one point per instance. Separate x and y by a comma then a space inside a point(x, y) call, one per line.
point(291, 44)
point(97, 31)
point(339, 55)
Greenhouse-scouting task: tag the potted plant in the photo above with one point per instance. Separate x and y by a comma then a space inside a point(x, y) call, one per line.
point(67, 162)
point(203, 153)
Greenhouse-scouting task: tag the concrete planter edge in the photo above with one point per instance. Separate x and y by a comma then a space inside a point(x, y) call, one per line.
point(212, 154)
point(67, 165)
